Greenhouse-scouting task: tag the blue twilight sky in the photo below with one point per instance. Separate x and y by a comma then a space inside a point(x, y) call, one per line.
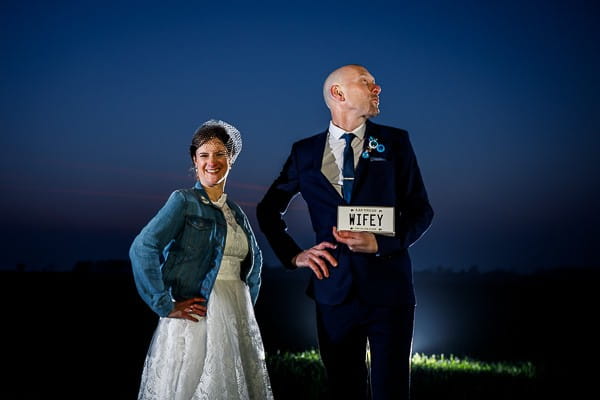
point(99, 100)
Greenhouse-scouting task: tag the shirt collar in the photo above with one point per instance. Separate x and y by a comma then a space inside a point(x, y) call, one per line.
point(337, 132)
point(219, 203)
point(222, 200)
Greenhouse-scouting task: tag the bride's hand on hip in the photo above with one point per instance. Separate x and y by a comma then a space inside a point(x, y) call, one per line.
point(188, 309)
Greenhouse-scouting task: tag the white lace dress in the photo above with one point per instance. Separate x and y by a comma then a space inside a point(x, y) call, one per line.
point(222, 355)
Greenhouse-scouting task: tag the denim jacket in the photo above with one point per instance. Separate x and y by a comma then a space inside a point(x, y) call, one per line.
point(177, 254)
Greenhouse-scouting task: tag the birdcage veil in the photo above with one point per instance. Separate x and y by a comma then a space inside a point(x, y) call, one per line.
point(204, 133)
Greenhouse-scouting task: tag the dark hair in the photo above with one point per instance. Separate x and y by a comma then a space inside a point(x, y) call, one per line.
point(206, 133)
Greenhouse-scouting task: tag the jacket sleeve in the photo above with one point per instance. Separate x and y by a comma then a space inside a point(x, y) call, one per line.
point(254, 279)
point(146, 253)
point(414, 213)
point(273, 206)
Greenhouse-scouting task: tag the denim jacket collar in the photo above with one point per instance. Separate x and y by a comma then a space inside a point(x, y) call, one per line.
point(203, 195)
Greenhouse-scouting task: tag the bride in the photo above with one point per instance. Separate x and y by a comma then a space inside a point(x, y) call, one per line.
point(197, 265)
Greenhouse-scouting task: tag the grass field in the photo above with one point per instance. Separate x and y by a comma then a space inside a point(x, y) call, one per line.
point(302, 376)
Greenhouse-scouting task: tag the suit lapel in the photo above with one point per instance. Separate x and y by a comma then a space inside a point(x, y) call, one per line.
point(319, 149)
point(318, 153)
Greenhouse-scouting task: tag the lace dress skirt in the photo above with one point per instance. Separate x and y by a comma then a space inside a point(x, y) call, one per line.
point(219, 357)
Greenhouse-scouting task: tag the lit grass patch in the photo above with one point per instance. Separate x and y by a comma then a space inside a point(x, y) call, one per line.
point(302, 376)
point(310, 359)
point(452, 363)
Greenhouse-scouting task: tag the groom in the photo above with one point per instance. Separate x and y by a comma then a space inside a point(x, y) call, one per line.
point(362, 282)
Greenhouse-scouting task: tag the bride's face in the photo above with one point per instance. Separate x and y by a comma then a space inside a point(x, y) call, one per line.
point(212, 163)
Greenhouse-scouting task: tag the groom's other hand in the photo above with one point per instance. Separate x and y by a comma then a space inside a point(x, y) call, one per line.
point(316, 258)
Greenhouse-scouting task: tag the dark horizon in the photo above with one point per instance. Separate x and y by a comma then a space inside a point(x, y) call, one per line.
point(451, 305)
point(122, 265)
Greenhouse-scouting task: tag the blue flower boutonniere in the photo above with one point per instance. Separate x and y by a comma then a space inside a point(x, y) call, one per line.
point(373, 145)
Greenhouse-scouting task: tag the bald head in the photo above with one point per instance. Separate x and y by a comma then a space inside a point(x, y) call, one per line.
point(338, 77)
point(352, 96)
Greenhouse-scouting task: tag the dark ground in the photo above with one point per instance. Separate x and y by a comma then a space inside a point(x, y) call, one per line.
point(84, 334)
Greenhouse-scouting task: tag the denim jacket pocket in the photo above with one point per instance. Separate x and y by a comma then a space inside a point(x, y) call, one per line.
point(196, 236)
point(199, 222)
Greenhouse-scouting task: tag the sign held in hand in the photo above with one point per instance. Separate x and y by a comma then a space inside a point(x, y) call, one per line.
point(378, 220)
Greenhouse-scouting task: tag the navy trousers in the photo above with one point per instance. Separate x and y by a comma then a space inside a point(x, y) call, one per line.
point(343, 331)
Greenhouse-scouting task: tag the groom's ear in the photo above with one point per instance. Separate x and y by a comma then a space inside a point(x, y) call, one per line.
point(337, 93)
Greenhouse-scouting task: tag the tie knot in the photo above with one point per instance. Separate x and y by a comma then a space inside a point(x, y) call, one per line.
point(348, 137)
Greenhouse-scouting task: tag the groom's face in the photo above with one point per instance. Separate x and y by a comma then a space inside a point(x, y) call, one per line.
point(361, 93)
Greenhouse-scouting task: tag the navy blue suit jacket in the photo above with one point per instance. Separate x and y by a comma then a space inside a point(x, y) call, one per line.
point(391, 178)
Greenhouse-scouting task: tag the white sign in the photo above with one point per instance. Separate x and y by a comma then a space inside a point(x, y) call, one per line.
point(378, 220)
